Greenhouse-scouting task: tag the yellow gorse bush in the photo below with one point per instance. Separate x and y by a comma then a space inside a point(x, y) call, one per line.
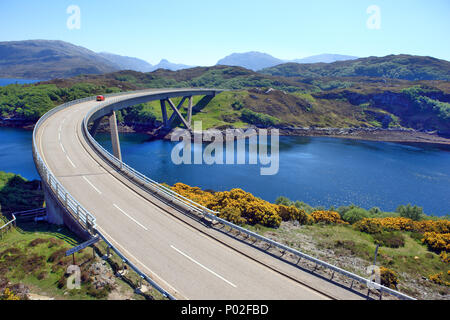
point(438, 279)
point(437, 241)
point(445, 257)
point(327, 217)
point(195, 194)
point(292, 213)
point(235, 205)
point(374, 225)
point(9, 295)
point(388, 278)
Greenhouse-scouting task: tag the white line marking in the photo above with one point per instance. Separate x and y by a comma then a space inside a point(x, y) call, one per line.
point(115, 205)
point(207, 269)
point(92, 185)
point(142, 264)
point(62, 147)
point(70, 161)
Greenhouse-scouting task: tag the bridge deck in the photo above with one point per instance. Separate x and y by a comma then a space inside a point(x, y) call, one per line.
point(183, 260)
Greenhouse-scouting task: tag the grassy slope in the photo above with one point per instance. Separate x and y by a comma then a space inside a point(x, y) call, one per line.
point(21, 262)
point(353, 250)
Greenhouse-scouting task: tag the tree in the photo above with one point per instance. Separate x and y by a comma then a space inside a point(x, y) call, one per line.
point(408, 211)
point(285, 201)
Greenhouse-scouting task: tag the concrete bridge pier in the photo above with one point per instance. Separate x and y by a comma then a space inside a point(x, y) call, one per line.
point(115, 136)
point(57, 214)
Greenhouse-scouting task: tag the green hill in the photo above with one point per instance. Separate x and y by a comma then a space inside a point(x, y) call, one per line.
point(403, 66)
point(256, 99)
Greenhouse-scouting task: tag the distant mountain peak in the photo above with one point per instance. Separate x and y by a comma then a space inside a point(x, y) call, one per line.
point(252, 60)
point(256, 61)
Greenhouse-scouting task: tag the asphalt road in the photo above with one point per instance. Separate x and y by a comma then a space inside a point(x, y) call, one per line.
point(186, 262)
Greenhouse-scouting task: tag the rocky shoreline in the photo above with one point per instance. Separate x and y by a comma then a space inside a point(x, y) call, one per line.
point(370, 134)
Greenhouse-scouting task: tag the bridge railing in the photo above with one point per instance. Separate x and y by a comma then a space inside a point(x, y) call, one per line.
point(83, 216)
point(68, 201)
point(193, 207)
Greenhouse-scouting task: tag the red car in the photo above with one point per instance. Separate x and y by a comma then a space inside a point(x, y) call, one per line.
point(100, 98)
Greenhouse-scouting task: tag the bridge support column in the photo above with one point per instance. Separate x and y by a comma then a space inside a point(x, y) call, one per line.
point(164, 112)
point(189, 115)
point(115, 136)
point(57, 214)
point(176, 112)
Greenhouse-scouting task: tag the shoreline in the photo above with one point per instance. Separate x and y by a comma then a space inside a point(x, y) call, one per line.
point(366, 134)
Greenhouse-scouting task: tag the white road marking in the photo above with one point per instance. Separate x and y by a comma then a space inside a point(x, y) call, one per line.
point(207, 269)
point(142, 264)
point(60, 144)
point(117, 207)
point(70, 161)
point(92, 185)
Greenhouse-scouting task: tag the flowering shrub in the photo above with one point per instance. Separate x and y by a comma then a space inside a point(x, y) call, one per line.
point(368, 225)
point(437, 241)
point(438, 279)
point(438, 226)
point(397, 223)
point(388, 278)
point(445, 258)
point(375, 225)
point(254, 210)
point(195, 194)
point(292, 213)
point(327, 217)
point(8, 295)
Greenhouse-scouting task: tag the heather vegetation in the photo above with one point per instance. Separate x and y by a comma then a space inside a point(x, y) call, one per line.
point(265, 100)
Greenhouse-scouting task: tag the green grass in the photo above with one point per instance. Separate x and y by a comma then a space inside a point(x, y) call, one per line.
point(22, 262)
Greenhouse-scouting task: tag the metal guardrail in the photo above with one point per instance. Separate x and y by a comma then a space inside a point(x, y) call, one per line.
point(136, 269)
point(194, 207)
point(6, 227)
point(12, 223)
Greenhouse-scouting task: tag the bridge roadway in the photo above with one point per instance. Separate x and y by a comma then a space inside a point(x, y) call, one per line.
point(186, 262)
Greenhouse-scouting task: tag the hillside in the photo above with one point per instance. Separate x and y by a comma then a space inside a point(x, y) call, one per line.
point(256, 99)
point(48, 59)
point(325, 58)
point(405, 67)
point(127, 63)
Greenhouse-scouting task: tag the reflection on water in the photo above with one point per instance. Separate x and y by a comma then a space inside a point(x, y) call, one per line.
point(317, 170)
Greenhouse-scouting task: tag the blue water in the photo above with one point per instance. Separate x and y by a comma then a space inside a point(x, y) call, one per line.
point(319, 171)
point(5, 82)
point(16, 152)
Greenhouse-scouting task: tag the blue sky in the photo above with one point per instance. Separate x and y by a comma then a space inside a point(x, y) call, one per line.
point(200, 32)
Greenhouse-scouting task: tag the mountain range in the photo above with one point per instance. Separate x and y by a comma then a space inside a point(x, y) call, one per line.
point(48, 59)
point(257, 61)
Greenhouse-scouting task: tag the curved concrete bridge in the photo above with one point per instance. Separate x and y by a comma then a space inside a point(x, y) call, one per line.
point(182, 255)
